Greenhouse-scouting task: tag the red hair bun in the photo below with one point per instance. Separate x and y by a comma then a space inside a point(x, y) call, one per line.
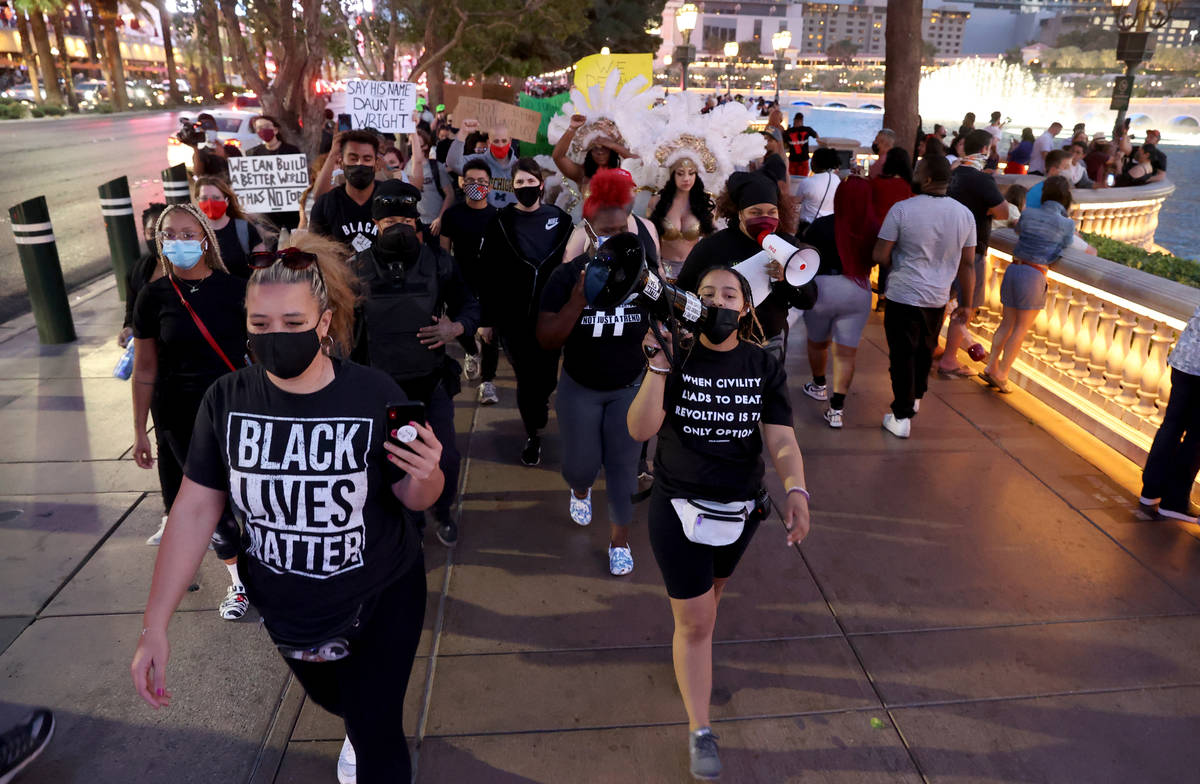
point(608, 189)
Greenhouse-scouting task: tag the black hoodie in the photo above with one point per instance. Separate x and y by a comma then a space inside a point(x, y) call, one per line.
point(519, 252)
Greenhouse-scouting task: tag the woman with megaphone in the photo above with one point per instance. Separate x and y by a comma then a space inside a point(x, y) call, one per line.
point(602, 362)
point(715, 409)
point(754, 210)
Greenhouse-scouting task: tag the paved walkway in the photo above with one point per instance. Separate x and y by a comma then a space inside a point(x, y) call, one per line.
point(976, 604)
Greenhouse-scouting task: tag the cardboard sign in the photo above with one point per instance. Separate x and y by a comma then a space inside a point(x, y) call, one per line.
point(1122, 89)
point(594, 69)
point(269, 183)
point(453, 93)
point(385, 106)
point(522, 123)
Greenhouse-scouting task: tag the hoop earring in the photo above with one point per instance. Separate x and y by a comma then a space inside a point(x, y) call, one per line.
point(327, 347)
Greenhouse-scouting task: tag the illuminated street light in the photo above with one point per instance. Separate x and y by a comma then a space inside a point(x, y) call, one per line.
point(685, 19)
point(731, 52)
point(780, 41)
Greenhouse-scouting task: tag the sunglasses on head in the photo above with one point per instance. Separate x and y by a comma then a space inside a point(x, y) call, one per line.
point(292, 258)
point(389, 202)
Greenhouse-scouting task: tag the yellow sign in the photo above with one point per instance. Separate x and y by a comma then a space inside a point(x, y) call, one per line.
point(594, 69)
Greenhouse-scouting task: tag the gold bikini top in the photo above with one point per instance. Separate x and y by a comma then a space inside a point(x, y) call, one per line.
point(690, 234)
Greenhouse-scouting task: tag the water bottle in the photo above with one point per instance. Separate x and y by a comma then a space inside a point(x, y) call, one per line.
point(124, 368)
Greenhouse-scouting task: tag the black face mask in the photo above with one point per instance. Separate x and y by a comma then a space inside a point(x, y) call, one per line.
point(285, 354)
point(528, 195)
point(720, 324)
point(359, 176)
point(398, 243)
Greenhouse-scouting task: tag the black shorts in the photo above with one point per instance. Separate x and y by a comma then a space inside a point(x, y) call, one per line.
point(688, 569)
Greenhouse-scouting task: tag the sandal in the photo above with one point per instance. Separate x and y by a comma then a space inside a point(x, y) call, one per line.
point(1003, 387)
point(962, 371)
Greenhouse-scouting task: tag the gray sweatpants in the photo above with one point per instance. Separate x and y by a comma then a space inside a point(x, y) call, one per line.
point(595, 434)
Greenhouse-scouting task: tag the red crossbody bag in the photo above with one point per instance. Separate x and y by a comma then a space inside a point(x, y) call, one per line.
point(200, 326)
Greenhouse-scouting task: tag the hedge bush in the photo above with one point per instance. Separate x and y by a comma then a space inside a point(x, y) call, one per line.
point(36, 112)
point(1164, 265)
point(53, 110)
point(12, 111)
point(104, 108)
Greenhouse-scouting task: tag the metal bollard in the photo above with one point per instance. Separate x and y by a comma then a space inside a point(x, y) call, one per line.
point(176, 186)
point(116, 206)
point(36, 247)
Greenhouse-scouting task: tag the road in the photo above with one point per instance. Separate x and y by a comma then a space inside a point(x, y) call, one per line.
point(66, 160)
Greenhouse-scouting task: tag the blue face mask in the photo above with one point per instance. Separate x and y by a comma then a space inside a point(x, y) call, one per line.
point(184, 254)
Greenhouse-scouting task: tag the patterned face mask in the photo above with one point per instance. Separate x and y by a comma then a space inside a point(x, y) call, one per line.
point(476, 191)
point(976, 161)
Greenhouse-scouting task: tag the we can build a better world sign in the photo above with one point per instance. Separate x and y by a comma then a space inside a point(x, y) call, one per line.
point(269, 183)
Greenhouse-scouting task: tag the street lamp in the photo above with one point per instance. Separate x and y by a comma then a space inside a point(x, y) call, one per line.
point(731, 51)
point(1138, 22)
point(780, 41)
point(685, 19)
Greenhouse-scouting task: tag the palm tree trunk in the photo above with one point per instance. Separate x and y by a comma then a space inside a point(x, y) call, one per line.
point(31, 66)
point(60, 38)
point(902, 69)
point(41, 40)
point(112, 55)
point(164, 20)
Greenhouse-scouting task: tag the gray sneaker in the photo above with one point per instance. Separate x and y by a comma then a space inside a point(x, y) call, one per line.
point(706, 758)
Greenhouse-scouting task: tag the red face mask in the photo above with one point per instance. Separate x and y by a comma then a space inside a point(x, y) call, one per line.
point(498, 152)
point(214, 208)
point(763, 224)
point(266, 134)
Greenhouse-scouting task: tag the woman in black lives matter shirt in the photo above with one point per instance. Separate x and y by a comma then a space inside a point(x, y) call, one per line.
point(298, 442)
point(713, 415)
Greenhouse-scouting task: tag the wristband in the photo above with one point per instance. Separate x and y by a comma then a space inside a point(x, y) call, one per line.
point(657, 370)
point(801, 491)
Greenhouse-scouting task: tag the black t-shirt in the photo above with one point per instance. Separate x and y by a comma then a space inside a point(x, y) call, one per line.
point(796, 139)
point(235, 258)
point(775, 167)
point(604, 350)
point(186, 362)
point(337, 215)
point(464, 225)
point(537, 232)
point(710, 446)
point(308, 478)
point(976, 191)
point(283, 149)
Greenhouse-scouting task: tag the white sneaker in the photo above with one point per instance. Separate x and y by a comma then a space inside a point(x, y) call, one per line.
point(471, 367)
point(816, 391)
point(900, 428)
point(581, 508)
point(347, 764)
point(155, 538)
point(487, 394)
point(834, 417)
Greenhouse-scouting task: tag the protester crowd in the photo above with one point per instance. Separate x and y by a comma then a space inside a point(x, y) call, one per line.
point(296, 370)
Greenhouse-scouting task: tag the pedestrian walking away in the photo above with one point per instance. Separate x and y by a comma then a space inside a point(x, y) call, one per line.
point(708, 497)
point(415, 302)
point(602, 365)
point(845, 240)
point(189, 331)
point(523, 245)
point(343, 599)
point(928, 242)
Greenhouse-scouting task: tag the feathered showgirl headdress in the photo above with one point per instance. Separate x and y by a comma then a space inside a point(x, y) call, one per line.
point(716, 143)
point(611, 109)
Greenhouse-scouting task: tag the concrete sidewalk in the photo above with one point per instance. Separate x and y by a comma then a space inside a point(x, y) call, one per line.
point(976, 604)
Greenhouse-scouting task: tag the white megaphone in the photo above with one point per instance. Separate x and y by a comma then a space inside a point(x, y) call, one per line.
point(800, 265)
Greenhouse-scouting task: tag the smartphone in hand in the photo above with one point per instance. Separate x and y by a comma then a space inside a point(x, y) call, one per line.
point(400, 417)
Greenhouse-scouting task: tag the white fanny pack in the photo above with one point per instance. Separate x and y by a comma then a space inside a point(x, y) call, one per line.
point(715, 523)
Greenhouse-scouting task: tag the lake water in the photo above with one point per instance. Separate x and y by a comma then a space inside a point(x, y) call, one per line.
point(1178, 229)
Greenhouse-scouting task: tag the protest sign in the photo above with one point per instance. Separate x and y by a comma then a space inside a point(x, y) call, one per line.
point(385, 106)
point(269, 183)
point(594, 69)
point(521, 123)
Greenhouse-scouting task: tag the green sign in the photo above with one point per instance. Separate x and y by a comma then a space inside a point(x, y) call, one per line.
point(1122, 88)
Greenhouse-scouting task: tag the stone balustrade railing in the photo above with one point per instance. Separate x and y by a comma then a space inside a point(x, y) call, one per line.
point(1124, 214)
point(1098, 351)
